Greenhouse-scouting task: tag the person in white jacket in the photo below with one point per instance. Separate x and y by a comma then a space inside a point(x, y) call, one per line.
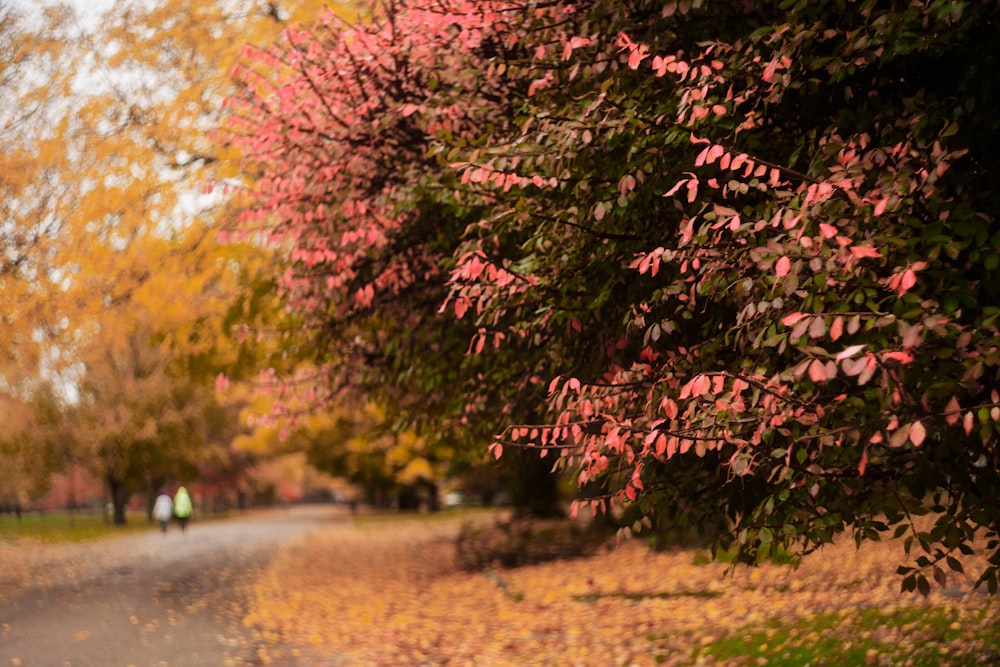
point(163, 510)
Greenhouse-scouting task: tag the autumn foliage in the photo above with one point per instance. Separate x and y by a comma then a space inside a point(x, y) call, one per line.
point(385, 592)
point(735, 265)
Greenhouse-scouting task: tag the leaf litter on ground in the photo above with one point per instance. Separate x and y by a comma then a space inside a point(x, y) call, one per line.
point(390, 593)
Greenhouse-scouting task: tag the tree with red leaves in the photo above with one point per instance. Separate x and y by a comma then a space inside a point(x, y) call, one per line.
point(734, 265)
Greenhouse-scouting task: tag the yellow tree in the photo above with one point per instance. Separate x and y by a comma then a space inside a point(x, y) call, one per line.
point(110, 268)
point(28, 195)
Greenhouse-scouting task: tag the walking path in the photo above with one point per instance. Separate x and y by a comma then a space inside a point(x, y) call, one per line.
point(174, 600)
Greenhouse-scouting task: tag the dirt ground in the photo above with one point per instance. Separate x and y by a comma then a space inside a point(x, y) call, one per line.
point(147, 600)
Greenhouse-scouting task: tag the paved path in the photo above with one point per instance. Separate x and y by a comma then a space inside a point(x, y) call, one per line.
point(148, 600)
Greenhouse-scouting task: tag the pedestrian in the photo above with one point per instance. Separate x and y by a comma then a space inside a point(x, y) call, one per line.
point(163, 510)
point(182, 507)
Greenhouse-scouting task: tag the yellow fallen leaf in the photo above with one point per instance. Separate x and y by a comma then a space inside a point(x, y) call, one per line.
point(82, 635)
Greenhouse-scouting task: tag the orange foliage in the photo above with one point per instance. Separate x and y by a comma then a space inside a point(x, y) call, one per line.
point(390, 594)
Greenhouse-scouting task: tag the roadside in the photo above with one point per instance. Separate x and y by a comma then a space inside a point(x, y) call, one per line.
point(148, 599)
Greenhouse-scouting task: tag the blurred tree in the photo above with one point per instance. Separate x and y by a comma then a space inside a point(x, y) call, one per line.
point(109, 266)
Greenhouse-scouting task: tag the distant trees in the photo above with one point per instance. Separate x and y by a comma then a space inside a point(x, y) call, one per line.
point(117, 308)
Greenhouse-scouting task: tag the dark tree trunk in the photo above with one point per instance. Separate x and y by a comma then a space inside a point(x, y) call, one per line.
point(433, 497)
point(535, 488)
point(408, 499)
point(119, 499)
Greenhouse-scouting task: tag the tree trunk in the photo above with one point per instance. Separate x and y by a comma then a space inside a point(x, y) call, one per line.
point(119, 500)
point(151, 494)
point(535, 488)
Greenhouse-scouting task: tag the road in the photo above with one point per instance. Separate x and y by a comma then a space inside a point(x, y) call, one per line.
point(147, 600)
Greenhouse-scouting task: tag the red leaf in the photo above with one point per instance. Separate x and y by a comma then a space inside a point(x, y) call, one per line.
point(669, 408)
point(677, 186)
point(837, 328)
point(951, 411)
point(792, 318)
point(817, 371)
point(702, 156)
point(908, 280)
point(917, 433)
point(861, 251)
point(692, 188)
point(880, 207)
point(783, 266)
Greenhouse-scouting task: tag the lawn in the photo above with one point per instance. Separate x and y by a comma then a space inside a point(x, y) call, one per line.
point(390, 593)
point(56, 527)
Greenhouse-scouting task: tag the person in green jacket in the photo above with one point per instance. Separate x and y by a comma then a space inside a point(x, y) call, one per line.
point(182, 507)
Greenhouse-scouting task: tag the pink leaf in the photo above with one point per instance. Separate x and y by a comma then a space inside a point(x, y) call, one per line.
point(908, 280)
point(868, 371)
point(849, 352)
point(903, 357)
point(837, 328)
point(714, 153)
point(817, 371)
point(792, 318)
point(917, 433)
point(861, 251)
point(880, 207)
point(951, 411)
point(702, 156)
point(677, 186)
point(783, 266)
point(692, 188)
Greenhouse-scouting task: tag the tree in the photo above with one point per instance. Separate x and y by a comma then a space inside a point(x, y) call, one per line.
point(336, 123)
point(747, 252)
point(105, 157)
point(805, 341)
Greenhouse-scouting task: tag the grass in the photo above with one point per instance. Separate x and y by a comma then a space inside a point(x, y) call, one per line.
point(369, 517)
point(778, 557)
point(59, 527)
point(913, 637)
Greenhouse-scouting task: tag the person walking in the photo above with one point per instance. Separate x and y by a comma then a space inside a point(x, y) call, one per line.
point(182, 507)
point(163, 510)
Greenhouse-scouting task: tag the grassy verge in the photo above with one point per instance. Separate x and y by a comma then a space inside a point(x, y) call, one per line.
point(925, 637)
point(58, 527)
